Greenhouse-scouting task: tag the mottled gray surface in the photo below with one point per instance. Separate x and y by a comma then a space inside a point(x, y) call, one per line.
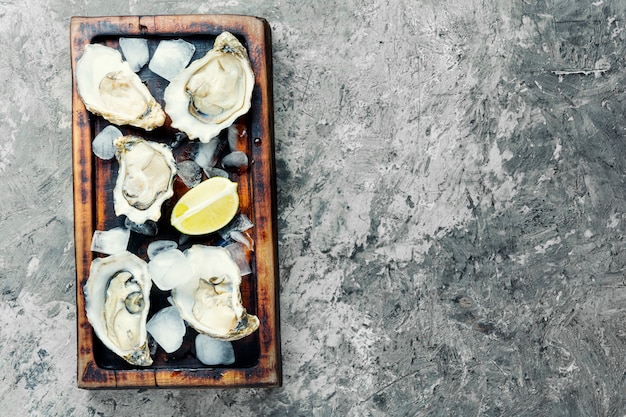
point(451, 188)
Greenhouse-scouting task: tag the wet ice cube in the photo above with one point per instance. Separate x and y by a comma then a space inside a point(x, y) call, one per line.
point(240, 223)
point(216, 172)
point(237, 137)
point(102, 145)
point(148, 228)
point(207, 153)
point(110, 241)
point(242, 238)
point(160, 246)
point(189, 172)
point(179, 138)
point(211, 351)
point(171, 57)
point(135, 51)
point(169, 269)
point(239, 254)
point(235, 161)
point(167, 328)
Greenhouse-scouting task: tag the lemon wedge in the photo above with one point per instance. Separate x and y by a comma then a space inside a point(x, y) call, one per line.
point(207, 207)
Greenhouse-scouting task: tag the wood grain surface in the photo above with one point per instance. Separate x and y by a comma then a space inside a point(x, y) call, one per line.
point(258, 355)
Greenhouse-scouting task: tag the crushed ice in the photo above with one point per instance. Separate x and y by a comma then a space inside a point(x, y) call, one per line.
point(215, 172)
point(240, 223)
point(239, 254)
point(110, 241)
point(170, 268)
point(207, 154)
point(171, 57)
point(189, 172)
point(237, 139)
point(235, 161)
point(167, 328)
point(212, 351)
point(102, 145)
point(160, 246)
point(135, 51)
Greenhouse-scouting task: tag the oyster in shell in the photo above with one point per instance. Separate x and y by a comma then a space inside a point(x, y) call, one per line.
point(117, 300)
point(145, 178)
point(109, 88)
point(212, 91)
point(211, 301)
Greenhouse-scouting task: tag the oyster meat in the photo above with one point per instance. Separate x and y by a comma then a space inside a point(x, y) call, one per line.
point(117, 300)
point(110, 88)
point(211, 301)
point(213, 91)
point(145, 178)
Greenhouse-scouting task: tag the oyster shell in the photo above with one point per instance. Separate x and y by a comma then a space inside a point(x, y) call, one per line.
point(145, 178)
point(117, 300)
point(109, 88)
point(212, 91)
point(211, 301)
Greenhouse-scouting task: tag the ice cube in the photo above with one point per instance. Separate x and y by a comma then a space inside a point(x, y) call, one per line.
point(235, 161)
point(240, 223)
point(239, 254)
point(211, 351)
point(160, 246)
point(171, 57)
point(110, 241)
point(135, 51)
point(189, 172)
point(179, 138)
point(169, 269)
point(102, 145)
point(207, 153)
point(216, 172)
point(167, 328)
point(242, 238)
point(148, 228)
point(237, 137)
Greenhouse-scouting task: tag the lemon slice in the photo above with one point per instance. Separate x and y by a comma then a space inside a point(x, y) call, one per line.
point(207, 207)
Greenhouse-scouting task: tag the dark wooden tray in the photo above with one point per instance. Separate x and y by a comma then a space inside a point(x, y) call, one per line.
point(257, 362)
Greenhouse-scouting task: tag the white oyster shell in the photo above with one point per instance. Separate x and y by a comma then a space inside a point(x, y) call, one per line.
point(212, 91)
point(145, 178)
point(211, 301)
point(110, 88)
point(117, 300)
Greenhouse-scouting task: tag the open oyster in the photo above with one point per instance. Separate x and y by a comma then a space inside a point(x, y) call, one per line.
point(117, 300)
point(145, 178)
point(109, 87)
point(212, 91)
point(211, 301)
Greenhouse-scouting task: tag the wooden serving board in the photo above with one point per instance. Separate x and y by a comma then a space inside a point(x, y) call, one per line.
point(257, 356)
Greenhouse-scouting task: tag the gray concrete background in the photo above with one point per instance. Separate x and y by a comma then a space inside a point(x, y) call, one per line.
point(451, 188)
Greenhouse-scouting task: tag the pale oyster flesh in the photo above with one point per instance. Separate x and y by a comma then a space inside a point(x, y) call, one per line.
point(145, 178)
point(117, 300)
point(110, 88)
point(211, 301)
point(212, 91)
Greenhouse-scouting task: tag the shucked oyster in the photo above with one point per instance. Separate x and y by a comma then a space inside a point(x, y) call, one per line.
point(109, 87)
point(145, 178)
point(117, 300)
point(213, 91)
point(211, 301)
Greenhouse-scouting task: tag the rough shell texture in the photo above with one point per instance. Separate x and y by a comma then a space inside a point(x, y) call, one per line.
point(211, 301)
point(108, 87)
point(145, 178)
point(117, 300)
point(213, 91)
